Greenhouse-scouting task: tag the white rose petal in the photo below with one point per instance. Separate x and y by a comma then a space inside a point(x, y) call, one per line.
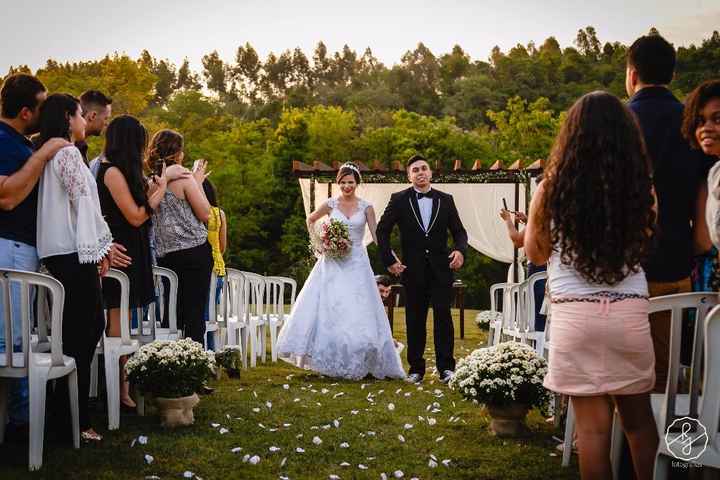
point(274, 449)
point(446, 462)
point(256, 410)
point(401, 438)
point(408, 426)
point(316, 440)
point(344, 445)
point(440, 439)
point(336, 423)
point(142, 440)
point(398, 474)
point(246, 458)
point(432, 463)
point(254, 460)
point(214, 425)
point(223, 431)
point(284, 461)
point(286, 386)
point(149, 459)
point(391, 406)
point(188, 474)
point(300, 450)
point(362, 467)
point(431, 421)
point(333, 477)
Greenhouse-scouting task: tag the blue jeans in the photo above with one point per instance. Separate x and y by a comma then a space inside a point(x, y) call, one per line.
point(18, 256)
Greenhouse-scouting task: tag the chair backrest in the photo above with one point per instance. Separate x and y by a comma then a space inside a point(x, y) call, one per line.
point(255, 294)
point(160, 274)
point(276, 287)
point(124, 281)
point(512, 302)
point(233, 299)
point(701, 303)
point(710, 405)
point(25, 280)
point(497, 293)
point(213, 314)
point(531, 308)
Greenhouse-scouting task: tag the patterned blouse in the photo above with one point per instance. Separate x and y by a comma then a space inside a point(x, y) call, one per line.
point(176, 226)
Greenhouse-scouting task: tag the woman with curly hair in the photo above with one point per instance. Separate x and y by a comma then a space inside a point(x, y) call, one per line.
point(591, 220)
point(701, 128)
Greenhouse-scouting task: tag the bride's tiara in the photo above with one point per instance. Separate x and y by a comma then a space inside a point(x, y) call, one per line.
point(351, 167)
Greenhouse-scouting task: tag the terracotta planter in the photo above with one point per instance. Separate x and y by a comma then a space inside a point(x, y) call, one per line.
point(177, 412)
point(508, 420)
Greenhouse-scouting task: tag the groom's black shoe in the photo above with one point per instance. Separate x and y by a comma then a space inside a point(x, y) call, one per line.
point(414, 378)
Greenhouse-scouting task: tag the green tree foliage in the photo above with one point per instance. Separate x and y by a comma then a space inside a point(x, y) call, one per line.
point(252, 117)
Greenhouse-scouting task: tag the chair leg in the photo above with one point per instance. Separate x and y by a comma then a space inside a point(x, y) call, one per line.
point(617, 440)
point(569, 434)
point(38, 385)
point(273, 342)
point(4, 391)
point(662, 466)
point(94, 376)
point(74, 407)
point(112, 382)
point(253, 345)
point(243, 334)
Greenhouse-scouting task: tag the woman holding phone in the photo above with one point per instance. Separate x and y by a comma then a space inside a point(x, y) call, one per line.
point(180, 233)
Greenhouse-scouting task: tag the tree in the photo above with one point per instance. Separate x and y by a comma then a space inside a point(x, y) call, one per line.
point(186, 78)
point(215, 73)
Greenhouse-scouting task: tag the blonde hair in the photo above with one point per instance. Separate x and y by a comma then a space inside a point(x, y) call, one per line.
point(165, 147)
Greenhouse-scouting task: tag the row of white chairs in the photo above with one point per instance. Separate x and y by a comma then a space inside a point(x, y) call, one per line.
point(252, 306)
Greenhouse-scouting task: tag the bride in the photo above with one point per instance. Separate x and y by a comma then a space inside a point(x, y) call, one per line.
point(338, 325)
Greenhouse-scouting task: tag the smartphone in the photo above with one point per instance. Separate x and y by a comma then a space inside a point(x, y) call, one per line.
point(505, 204)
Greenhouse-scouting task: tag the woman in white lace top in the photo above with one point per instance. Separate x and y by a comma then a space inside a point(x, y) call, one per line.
point(72, 240)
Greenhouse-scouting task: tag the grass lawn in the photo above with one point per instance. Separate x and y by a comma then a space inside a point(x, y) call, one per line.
point(280, 408)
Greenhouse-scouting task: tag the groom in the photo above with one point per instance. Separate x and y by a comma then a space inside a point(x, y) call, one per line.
point(424, 216)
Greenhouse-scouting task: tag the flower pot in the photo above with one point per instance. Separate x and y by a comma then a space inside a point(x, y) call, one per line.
point(177, 412)
point(508, 420)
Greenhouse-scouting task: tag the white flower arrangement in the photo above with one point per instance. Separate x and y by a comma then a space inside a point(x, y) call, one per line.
point(484, 318)
point(510, 372)
point(170, 369)
point(230, 358)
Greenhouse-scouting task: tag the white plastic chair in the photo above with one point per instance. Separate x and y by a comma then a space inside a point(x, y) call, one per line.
point(276, 315)
point(38, 367)
point(171, 331)
point(516, 307)
point(709, 404)
point(254, 307)
point(115, 347)
point(497, 291)
point(234, 310)
point(212, 327)
point(526, 325)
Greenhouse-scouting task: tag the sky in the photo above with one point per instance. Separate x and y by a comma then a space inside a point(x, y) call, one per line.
point(71, 30)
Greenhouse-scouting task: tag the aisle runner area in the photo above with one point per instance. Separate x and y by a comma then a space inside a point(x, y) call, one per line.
point(280, 422)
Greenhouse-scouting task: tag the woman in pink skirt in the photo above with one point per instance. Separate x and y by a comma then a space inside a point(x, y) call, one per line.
point(591, 220)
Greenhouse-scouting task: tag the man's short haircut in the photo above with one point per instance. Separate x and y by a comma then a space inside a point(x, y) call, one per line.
point(18, 91)
point(383, 280)
point(94, 99)
point(653, 58)
point(415, 158)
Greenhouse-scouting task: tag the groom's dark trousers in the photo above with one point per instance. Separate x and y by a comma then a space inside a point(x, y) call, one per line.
point(427, 278)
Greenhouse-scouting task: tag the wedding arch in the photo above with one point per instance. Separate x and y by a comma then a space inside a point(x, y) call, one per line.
point(478, 194)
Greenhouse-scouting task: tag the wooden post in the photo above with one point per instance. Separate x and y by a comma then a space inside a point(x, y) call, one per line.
point(516, 272)
point(312, 193)
point(329, 189)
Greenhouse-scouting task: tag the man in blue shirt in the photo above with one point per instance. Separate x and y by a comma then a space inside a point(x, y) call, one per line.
point(20, 169)
point(678, 173)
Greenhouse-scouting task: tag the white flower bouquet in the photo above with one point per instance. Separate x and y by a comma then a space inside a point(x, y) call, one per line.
point(486, 317)
point(170, 369)
point(510, 372)
point(331, 239)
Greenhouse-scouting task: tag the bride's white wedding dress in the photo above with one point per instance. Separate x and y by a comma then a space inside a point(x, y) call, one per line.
point(338, 326)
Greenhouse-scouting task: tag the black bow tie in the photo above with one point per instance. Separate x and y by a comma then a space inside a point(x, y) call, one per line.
point(424, 195)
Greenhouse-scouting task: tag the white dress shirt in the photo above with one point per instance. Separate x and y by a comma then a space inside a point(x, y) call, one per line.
point(425, 205)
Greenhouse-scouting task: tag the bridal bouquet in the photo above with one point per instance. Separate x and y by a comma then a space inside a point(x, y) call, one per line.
point(331, 239)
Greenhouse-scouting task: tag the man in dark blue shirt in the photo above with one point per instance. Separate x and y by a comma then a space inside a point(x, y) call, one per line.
point(678, 172)
point(20, 170)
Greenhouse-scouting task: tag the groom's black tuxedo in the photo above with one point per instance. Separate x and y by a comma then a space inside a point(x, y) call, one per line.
point(427, 278)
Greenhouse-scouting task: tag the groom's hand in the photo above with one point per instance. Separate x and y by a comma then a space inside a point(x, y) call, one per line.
point(396, 268)
point(456, 259)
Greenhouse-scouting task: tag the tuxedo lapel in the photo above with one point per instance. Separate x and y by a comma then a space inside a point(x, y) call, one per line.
point(415, 209)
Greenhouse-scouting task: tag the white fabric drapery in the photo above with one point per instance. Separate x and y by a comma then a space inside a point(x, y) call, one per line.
point(478, 204)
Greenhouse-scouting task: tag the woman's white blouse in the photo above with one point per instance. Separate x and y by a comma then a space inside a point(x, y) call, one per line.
point(69, 218)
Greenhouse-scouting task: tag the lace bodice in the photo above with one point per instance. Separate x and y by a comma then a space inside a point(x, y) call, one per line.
point(356, 222)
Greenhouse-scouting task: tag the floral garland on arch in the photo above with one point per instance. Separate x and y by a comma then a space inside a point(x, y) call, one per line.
point(506, 373)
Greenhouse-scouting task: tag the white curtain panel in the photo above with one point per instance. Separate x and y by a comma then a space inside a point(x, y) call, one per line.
point(478, 204)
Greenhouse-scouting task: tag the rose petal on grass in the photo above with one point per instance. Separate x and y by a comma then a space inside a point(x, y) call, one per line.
point(256, 410)
point(344, 464)
point(344, 445)
point(408, 426)
point(401, 438)
point(214, 425)
point(286, 386)
point(391, 406)
point(223, 431)
point(431, 421)
point(440, 439)
point(274, 449)
point(362, 467)
point(300, 450)
point(254, 460)
point(317, 440)
point(339, 394)
point(188, 474)
point(398, 474)
point(446, 462)
point(336, 423)
point(236, 450)
point(149, 459)
point(283, 462)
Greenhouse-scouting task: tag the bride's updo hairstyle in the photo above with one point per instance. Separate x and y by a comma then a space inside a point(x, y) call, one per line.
point(165, 147)
point(349, 169)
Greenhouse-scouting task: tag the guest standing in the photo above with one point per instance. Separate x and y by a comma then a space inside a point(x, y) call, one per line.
point(678, 174)
point(180, 232)
point(701, 127)
point(217, 236)
point(127, 205)
point(72, 239)
point(20, 169)
point(591, 220)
